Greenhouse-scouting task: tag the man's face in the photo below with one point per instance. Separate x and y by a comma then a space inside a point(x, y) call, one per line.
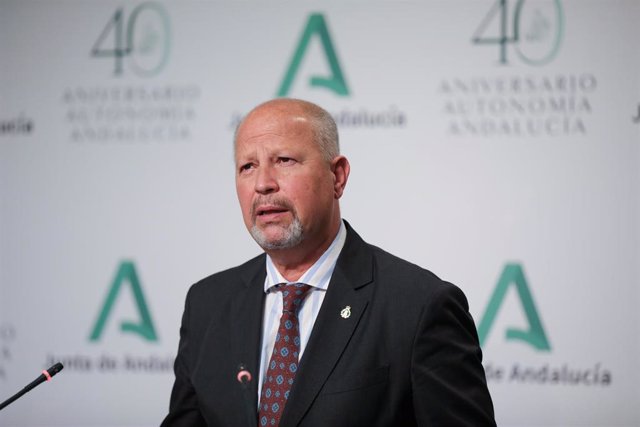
point(284, 185)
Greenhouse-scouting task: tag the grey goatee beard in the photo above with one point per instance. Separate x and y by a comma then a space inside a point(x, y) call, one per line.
point(291, 236)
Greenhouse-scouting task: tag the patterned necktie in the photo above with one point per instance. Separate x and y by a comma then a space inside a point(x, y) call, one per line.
point(283, 364)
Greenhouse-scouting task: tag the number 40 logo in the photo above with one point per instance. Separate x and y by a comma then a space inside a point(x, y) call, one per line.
point(142, 38)
point(535, 30)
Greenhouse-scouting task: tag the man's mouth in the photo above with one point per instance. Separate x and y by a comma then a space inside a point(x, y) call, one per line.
point(270, 210)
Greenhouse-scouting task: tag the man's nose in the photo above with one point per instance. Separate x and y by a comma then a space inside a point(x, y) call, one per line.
point(266, 181)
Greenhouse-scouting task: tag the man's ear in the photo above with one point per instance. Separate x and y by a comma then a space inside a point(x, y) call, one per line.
point(340, 168)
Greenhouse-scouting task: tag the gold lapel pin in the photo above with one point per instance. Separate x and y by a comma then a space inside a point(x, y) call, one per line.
point(346, 312)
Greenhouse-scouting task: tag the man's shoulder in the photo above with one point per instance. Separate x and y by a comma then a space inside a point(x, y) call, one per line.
point(383, 262)
point(388, 263)
point(396, 277)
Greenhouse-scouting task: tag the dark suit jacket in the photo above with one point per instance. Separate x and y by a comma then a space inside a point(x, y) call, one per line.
point(408, 354)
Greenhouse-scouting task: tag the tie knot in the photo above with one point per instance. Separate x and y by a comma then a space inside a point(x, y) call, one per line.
point(292, 296)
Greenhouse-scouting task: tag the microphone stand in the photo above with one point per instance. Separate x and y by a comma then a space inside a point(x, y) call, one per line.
point(46, 376)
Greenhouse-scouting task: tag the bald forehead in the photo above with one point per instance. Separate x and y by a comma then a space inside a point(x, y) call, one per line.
point(273, 119)
point(296, 116)
point(294, 109)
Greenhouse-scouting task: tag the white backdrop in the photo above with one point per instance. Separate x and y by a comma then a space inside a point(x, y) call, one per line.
point(470, 159)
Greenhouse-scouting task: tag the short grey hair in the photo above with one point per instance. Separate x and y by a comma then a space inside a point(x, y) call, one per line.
point(323, 125)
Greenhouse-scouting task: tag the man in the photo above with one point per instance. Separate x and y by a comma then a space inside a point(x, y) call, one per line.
point(364, 338)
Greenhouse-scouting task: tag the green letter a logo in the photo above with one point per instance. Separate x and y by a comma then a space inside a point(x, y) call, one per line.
point(336, 83)
point(513, 274)
point(126, 272)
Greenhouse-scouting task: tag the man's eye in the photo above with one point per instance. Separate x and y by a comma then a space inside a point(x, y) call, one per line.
point(285, 160)
point(246, 167)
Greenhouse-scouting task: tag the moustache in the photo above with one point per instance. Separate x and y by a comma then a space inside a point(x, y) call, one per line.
point(276, 202)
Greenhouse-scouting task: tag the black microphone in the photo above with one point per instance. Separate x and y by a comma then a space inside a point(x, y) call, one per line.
point(244, 378)
point(46, 376)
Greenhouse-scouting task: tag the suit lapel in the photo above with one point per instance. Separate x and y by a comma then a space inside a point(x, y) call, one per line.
point(246, 325)
point(333, 327)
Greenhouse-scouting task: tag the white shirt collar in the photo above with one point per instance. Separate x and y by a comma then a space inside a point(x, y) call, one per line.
point(319, 274)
